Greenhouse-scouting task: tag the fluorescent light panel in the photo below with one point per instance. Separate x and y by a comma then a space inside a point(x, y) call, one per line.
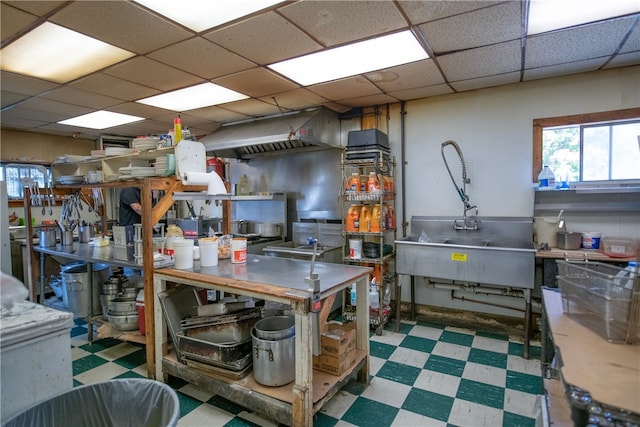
point(101, 120)
point(200, 15)
point(57, 54)
point(357, 58)
point(549, 15)
point(193, 97)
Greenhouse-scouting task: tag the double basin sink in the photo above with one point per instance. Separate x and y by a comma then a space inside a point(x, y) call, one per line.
point(500, 252)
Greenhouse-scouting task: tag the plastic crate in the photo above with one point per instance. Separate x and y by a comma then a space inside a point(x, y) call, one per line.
point(596, 298)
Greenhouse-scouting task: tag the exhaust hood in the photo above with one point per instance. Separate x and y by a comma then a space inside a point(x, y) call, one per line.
point(285, 134)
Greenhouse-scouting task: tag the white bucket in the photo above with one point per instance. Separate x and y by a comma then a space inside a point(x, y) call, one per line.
point(238, 250)
point(545, 229)
point(591, 240)
point(183, 253)
point(355, 248)
point(208, 252)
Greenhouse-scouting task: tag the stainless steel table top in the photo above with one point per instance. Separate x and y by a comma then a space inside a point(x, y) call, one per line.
point(86, 252)
point(279, 272)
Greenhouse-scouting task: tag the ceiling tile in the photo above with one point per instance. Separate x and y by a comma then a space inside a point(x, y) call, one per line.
point(74, 96)
point(142, 110)
point(219, 115)
point(36, 115)
point(120, 23)
point(13, 20)
point(10, 98)
point(485, 82)
point(337, 22)
point(633, 41)
point(24, 84)
point(113, 86)
point(25, 117)
point(577, 44)
point(148, 72)
point(624, 60)
point(256, 82)
point(365, 101)
point(429, 10)
point(64, 110)
point(201, 58)
point(338, 108)
point(421, 92)
point(36, 7)
point(351, 87)
point(480, 28)
point(480, 62)
point(407, 76)
point(253, 108)
point(295, 99)
point(264, 39)
point(563, 69)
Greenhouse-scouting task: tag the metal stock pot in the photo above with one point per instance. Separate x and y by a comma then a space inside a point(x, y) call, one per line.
point(268, 229)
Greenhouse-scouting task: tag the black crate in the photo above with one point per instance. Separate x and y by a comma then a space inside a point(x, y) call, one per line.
point(367, 139)
point(372, 152)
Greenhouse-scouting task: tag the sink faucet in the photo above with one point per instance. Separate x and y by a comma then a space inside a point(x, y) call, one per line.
point(467, 223)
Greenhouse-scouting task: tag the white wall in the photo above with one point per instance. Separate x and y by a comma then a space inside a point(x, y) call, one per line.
point(494, 130)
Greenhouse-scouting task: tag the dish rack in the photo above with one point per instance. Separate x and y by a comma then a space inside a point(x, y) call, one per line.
point(596, 297)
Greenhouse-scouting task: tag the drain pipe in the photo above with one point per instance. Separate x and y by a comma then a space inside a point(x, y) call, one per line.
point(403, 113)
point(492, 304)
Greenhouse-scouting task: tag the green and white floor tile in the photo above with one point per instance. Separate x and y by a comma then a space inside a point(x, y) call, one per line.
point(425, 375)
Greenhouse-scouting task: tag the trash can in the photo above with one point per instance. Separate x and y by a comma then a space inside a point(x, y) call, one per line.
point(119, 402)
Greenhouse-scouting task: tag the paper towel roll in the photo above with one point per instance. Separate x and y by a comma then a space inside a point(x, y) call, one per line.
point(212, 180)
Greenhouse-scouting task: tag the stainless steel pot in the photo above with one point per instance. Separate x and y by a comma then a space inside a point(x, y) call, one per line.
point(85, 233)
point(275, 328)
point(568, 240)
point(122, 306)
point(274, 362)
point(239, 227)
point(47, 238)
point(67, 238)
point(124, 322)
point(268, 229)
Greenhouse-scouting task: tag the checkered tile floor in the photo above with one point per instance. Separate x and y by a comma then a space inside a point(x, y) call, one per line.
point(425, 375)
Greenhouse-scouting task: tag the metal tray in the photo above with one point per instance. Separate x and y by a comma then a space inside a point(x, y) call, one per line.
point(234, 356)
point(227, 328)
point(178, 303)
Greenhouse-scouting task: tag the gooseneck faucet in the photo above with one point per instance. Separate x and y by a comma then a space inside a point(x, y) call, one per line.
point(467, 223)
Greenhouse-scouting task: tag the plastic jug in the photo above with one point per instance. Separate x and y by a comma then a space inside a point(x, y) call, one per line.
point(353, 184)
point(546, 179)
point(352, 221)
point(373, 184)
point(173, 233)
point(377, 219)
point(365, 220)
point(374, 297)
point(391, 217)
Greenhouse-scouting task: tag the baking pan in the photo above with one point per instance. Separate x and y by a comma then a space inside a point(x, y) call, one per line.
point(178, 303)
point(233, 356)
point(229, 328)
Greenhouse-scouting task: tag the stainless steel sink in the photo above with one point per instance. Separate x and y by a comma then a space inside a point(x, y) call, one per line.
point(501, 252)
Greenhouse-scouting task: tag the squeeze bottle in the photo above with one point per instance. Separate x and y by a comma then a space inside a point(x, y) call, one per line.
point(374, 298)
point(353, 294)
point(177, 130)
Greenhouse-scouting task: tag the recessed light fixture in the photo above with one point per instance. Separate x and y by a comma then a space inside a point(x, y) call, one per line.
point(57, 54)
point(349, 60)
point(200, 15)
point(549, 15)
point(202, 95)
point(101, 120)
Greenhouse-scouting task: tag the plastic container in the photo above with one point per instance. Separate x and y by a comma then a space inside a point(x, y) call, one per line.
point(117, 402)
point(620, 247)
point(353, 294)
point(365, 220)
point(355, 248)
point(183, 253)
point(374, 296)
point(353, 184)
point(546, 179)
point(390, 216)
point(352, 221)
point(239, 250)
point(173, 233)
point(545, 229)
point(373, 184)
point(377, 219)
point(208, 252)
point(177, 130)
point(626, 277)
point(591, 240)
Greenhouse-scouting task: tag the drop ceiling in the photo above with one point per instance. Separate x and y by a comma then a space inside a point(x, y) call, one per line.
point(471, 45)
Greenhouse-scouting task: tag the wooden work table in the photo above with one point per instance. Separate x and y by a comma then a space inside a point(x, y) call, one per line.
point(610, 373)
point(281, 280)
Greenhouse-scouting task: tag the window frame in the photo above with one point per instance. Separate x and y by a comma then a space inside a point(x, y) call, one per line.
point(3, 172)
point(573, 120)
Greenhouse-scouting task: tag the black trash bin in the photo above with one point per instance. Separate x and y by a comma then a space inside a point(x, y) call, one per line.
point(121, 402)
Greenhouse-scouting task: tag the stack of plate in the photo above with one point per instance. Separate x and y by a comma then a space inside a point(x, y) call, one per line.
point(70, 179)
point(118, 151)
point(146, 143)
point(143, 171)
point(125, 173)
point(161, 165)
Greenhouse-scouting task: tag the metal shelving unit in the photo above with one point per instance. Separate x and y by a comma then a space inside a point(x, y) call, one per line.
point(378, 249)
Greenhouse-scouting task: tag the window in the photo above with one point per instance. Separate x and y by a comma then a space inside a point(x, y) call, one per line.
point(17, 175)
point(597, 147)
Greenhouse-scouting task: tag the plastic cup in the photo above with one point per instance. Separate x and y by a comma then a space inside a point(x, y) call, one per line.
point(183, 253)
point(208, 252)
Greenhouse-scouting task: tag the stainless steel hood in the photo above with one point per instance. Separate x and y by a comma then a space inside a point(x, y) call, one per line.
point(292, 132)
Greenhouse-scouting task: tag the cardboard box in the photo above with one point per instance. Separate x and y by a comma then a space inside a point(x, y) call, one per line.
point(334, 365)
point(339, 339)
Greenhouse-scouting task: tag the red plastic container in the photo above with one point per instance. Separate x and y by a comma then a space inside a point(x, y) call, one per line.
point(140, 310)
